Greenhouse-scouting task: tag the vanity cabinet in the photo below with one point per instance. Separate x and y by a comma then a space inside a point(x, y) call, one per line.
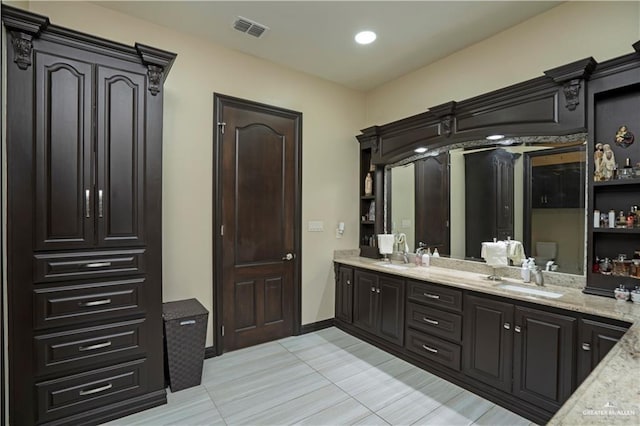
point(527, 357)
point(543, 357)
point(525, 351)
point(434, 323)
point(378, 305)
point(595, 340)
point(84, 246)
point(488, 339)
point(344, 293)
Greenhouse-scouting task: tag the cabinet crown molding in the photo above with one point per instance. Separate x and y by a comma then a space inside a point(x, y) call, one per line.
point(18, 20)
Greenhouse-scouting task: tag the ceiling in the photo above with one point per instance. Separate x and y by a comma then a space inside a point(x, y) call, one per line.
point(316, 37)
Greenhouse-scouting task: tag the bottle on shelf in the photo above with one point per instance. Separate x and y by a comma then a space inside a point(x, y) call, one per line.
point(627, 171)
point(622, 220)
point(612, 219)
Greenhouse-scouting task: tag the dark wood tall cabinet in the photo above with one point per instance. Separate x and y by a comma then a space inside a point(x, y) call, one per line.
point(489, 207)
point(432, 196)
point(84, 258)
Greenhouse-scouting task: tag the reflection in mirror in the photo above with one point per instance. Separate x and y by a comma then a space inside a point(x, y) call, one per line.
point(403, 203)
point(529, 192)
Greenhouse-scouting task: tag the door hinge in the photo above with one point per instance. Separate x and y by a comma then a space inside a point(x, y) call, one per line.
point(223, 331)
point(221, 230)
point(222, 126)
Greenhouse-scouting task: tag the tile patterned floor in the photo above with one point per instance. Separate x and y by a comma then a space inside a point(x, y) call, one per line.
point(322, 378)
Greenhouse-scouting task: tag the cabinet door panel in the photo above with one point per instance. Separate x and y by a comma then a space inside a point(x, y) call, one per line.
point(595, 340)
point(391, 314)
point(64, 211)
point(344, 295)
point(365, 284)
point(543, 357)
point(488, 341)
point(121, 152)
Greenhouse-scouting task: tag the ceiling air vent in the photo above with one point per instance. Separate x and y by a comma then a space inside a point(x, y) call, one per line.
point(249, 27)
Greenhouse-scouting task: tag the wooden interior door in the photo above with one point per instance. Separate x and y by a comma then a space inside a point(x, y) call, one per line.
point(259, 221)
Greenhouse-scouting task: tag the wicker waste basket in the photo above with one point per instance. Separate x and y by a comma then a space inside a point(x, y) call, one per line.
point(185, 330)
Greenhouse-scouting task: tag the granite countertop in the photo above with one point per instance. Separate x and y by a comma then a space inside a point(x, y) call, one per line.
point(611, 393)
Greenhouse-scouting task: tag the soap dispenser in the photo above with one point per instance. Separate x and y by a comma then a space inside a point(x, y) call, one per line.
point(426, 257)
point(435, 253)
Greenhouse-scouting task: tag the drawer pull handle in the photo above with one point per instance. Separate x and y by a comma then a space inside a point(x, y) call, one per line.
point(95, 390)
point(507, 326)
point(373, 289)
point(348, 282)
point(431, 296)
point(100, 203)
point(435, 351)
point(96, 346)
point(430, 321)
point(377, 290)
point(95, 303)
point(98, 265)
point(517, 329)
point(188, 322)
point(586, 347)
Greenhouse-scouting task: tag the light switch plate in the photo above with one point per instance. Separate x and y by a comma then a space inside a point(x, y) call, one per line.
point(316, 226)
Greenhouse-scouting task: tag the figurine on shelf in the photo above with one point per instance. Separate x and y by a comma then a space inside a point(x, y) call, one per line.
point(368, 185)
point(597, 162)
point(608, 163)
point(624, 137)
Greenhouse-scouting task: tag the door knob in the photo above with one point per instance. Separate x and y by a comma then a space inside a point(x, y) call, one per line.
point(288, 256)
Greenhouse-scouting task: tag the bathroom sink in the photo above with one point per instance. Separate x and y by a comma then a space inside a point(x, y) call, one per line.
point(532, 291)
point(392, 266)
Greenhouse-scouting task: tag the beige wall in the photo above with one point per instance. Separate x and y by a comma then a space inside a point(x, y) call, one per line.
point(566, 33)
point(332, 116)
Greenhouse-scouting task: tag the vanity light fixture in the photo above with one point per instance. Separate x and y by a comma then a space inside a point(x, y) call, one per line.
point(495, 137)
point(365, 37)
point(420, 150)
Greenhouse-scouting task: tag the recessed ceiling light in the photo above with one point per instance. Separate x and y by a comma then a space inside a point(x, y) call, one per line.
point(420, 150)
point(365, 37)
point(495, 137)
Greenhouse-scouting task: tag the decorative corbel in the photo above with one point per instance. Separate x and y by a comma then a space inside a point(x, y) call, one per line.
point(155, 74)
point(446, 114)
point(158, 63)
point(22, 46)
point(23, 27)
point(571, 76)
point(571, 91)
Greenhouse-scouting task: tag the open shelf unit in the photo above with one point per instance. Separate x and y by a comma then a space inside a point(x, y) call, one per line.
point(613, 101)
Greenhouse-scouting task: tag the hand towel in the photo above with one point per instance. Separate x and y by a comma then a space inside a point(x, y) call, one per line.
point(515, 252)
point(385, 243)
point(495, 254)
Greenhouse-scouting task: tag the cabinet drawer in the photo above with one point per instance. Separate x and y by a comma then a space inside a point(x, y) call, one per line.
point(434, 349)
point(67, 305)
point(78, 348)
point(74, 394)
point(68, 266)
point(434, 321)
point(435, 295)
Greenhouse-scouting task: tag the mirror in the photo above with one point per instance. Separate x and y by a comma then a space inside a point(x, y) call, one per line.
point(444, 199)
